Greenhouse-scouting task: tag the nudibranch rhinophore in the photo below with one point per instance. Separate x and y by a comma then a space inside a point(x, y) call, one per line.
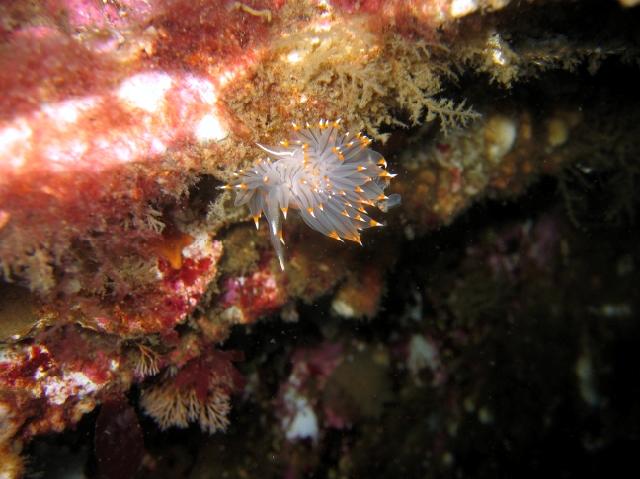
point(329, 176)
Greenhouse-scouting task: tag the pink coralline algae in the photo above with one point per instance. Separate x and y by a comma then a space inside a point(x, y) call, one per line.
point(51, 382)
point(104, 106)
point(332, 385)
point(93, 119)
point(110, 110)
point(118, 120)
point(246, 298)
point(163, 304)
point(311, 369)
point(521, 249)
point(58, 378)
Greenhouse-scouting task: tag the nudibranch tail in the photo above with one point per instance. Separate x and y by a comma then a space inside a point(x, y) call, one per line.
point(330, 177)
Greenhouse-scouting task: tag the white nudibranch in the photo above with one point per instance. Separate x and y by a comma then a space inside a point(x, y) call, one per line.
point(329, 176)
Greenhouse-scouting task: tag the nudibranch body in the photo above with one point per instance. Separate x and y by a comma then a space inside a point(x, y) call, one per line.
point(330, 177)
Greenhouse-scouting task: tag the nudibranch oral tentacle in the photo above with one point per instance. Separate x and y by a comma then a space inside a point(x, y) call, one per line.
point(328, 176)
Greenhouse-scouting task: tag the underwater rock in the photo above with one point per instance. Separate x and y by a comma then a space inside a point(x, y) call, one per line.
point(120, 258)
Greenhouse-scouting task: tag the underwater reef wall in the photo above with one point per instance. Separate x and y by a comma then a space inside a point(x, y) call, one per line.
point(125, 267)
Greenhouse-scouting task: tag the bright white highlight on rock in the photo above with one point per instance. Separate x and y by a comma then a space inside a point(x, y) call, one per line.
point(500, 134)
point(343, 309)
point(68, 111)
point(304, 422)
point(157, 147)
point(460, 8)
point(13, 137)
point(63, 154)
point(58, 389)
point(498, 57)
point(422, 353)
point(124, 150)
point(145, 90)
point(209, 128)
point(226, 77)
point(204, 88)
point(294, 57)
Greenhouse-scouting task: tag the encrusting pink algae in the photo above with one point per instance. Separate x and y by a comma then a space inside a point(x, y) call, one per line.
point(140, 138)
